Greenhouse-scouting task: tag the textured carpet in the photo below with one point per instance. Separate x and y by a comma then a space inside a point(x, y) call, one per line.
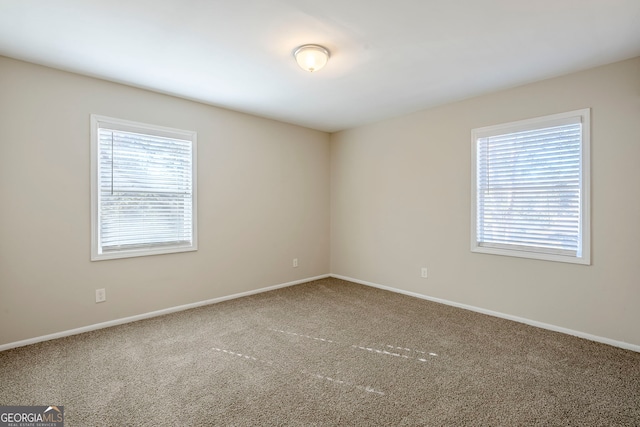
point(326, 353)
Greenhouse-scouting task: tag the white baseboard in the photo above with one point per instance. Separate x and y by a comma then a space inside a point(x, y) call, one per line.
point(152, 314)
point(621, 344)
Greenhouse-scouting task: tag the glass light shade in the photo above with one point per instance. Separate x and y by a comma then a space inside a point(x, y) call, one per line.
point(311, 57)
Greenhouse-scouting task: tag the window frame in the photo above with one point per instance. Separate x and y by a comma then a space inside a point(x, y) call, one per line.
point(584, 251)
point(98, 122)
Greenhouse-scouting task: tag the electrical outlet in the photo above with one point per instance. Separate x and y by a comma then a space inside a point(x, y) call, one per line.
point(101, 295)
point(423, 272)
point(295, 262)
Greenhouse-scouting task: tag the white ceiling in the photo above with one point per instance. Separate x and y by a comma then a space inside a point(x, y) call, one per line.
point(388, 58)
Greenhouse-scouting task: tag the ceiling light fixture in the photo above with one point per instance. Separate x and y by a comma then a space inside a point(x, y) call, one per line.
point(311, 57)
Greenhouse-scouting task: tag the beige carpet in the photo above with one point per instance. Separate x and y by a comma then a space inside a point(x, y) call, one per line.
point(326, 353)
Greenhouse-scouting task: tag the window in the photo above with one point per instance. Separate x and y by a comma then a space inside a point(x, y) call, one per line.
point(530, 193)
point(143, 189)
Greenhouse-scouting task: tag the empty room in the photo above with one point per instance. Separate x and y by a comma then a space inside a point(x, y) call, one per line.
point(288, 212)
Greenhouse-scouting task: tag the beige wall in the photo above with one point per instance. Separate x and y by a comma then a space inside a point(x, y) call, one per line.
point(263, 192)
point(400, 200)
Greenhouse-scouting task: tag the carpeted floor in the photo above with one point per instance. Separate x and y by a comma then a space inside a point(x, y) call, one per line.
point(326, 353)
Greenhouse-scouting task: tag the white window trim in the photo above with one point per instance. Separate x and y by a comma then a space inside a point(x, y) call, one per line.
point(585, 188)
point(137, 127)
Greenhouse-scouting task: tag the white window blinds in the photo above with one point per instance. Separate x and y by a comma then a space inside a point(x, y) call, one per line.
point(529, 188)
point(145, 190)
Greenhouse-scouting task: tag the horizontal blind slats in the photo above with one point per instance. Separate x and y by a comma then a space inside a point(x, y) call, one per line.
point(146, 194)
point(528, 189)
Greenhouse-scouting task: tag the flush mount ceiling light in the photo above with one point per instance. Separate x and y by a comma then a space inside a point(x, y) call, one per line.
point(311, 57)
